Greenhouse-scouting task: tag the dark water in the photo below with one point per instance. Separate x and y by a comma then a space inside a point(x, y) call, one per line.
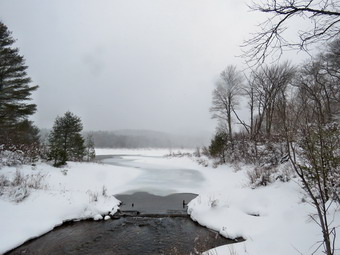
point(159, 226)
point(130, 235)
point(146, 203)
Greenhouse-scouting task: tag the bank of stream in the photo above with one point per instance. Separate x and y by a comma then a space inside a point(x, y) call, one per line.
point(145, 224)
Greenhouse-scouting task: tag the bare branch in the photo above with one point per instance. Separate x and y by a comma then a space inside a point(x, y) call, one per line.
point(324, 14)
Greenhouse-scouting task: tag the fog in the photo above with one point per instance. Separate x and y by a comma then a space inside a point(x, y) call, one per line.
point(129, 64)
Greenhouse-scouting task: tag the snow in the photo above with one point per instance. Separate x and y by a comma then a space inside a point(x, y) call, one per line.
point(145, 152)
point(273, 219)
point(78, 194)
point(97, 217)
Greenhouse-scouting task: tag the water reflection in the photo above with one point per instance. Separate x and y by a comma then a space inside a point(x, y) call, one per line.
point(132, 235)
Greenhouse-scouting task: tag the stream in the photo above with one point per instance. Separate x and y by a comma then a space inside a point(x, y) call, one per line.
point(151, 220)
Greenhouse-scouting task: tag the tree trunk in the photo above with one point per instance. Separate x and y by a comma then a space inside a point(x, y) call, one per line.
point(229, 126)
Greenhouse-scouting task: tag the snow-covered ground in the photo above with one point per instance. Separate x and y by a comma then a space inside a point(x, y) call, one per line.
point(77, 191)
point(272, 219)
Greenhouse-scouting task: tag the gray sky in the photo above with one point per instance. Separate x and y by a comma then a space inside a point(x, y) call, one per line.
point(128, 64)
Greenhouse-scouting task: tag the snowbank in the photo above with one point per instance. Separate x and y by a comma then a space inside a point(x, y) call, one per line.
point(78, 191)
point(273, 219)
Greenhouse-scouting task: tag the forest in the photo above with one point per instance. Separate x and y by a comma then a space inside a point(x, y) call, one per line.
point(278, 117)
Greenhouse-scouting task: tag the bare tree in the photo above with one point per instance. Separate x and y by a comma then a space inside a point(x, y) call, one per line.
point(249, 92)
point(316, 160)
point(331, 71)
point(225, 96)
point(318, 83)
point(268, 86)
point(313, 136)
point(324, 16)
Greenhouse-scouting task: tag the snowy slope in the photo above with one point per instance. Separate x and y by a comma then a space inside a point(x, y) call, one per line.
point(64, 197)
point(272, 219)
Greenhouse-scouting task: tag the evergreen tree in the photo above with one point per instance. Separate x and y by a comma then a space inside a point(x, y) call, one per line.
point(65, 140)
point(219, 146)
point(90, 152)
point(15, 88)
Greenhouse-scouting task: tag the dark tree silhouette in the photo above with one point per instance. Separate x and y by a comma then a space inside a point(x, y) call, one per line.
point(15, 92)
point(65, 140)
point(323, 16)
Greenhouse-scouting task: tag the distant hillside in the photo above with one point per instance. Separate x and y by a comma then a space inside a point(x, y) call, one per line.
point(144, 139)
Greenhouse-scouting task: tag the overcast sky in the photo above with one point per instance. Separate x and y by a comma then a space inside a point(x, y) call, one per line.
point(128, 64)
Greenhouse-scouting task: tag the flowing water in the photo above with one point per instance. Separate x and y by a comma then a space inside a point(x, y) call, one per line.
point(146, 223)
point(130, 235)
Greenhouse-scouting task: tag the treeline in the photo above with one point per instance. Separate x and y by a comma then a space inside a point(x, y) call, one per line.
point(17, 132)
point(109, 139)
point(294, 116)
point(142, 139)
point(20, 141)
point(285, 104)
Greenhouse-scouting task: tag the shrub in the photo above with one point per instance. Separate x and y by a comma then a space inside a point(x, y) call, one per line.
point(4, 182)
point(260, 176)
point(205, 151)
point(93, 196)
point(21, 185)
point(19, 193)
point(36, 181)
point(197, 152)
point(19, 178)
point(14, 155)
point(104, 191)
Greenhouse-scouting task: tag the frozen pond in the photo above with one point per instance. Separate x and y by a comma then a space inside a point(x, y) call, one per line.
point(154, 179)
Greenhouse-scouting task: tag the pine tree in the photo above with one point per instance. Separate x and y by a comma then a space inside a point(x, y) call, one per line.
point(65, 140)
point(90, 152)
point(218, 146)
point(15, 88)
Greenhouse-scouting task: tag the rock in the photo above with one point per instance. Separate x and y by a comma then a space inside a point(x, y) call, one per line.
point(97, 217)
